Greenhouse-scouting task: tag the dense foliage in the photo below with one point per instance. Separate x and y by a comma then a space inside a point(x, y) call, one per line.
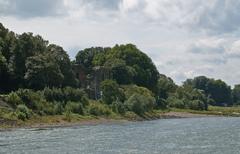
point(186, 97)
point(28, 61)
point(127, 63)
point(38, 78)
point(218, 90)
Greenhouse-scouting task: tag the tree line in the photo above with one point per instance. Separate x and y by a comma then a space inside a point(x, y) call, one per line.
point(29, 65)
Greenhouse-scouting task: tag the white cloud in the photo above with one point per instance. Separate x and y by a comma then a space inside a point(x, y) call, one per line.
point(129, 4)
point(185, 38)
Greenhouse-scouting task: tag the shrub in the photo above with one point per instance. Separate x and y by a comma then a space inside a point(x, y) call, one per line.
point(140, 104)
point(111, 91)
point(133, 89)
point(118, 107)
point(48, 108)
point(33, 100)
point(58, 108)
point(196, 105)
point(54, 94)
point(14, 100)
point(74, 107)
point(75, 95)
point(65, 95)
point(162, 103)
point(99, 109)
point(175, 102)
point(23, 112)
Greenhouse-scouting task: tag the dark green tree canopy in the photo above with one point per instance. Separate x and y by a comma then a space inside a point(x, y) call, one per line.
point(218, 90)
point(28, 61)
point(128, 64)
point(236, 94)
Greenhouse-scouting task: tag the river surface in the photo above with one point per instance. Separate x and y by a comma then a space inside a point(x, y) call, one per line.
point(211, 135)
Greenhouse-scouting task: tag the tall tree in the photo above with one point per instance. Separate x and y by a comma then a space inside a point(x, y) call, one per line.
point(236, 94)
point(218, 90)
point(43, 71)
point(63, 61)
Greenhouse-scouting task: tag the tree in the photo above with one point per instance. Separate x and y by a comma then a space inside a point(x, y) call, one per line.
point(236, 94)
point(122, 73)
point(42, 71)
point(165, 87)
point(87, 57)
point(3, 71)
point(188, 97)
point(62, 59)
point(144, 71)
point(7, 43)
point(217, 90)
point(27, 46)
point(220, 92)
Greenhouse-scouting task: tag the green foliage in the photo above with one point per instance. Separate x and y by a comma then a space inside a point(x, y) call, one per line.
point(62, 59)
point(87, 57)
point(58, 109)
point(23, 112)
point(33, 100)
point(188, 98)
point(111, 91)
point(74, 107)
point(122, 73)
point(165, 87)
point(140, 104)
point(218, 90)
point(99, 109)
point(236, 95)
point(127, 63)
point(42, 71)
point(118, 107)
point(138, 64)
point(14, 100)
point(27, 61)
point(65, 95)
point(139, 99)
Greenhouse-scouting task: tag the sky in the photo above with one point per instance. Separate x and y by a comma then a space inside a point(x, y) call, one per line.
point(184, 38)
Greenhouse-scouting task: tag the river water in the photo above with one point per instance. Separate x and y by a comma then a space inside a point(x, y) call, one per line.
point(211, 135)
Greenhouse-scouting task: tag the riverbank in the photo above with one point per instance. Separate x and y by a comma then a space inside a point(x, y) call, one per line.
point(42, 122)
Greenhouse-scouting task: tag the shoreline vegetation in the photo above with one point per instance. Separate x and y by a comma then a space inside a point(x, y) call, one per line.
point(40, 86)
point(56, 121)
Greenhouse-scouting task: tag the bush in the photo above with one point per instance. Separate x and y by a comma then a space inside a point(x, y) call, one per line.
point(140, 104)
point(196, 105)
point(111, 91)
point(162, 104)
point(133, 89)
point(74, 107)
point(54, 94)
point(33, 100)
point(175, 103)
point(23, 112)
point(118, 107)
point(14, 100)
point(75, 95)
point(58, 109)
point(65, 95)
point(99, 109)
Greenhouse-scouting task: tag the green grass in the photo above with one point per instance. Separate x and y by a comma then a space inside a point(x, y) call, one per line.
point(214, 110)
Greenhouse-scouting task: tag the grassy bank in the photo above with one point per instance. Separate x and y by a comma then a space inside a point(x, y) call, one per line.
point(8, 121)
point(36, 121)
point(214, 110)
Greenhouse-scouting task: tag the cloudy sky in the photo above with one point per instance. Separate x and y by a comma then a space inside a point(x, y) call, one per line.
point(185, 38)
